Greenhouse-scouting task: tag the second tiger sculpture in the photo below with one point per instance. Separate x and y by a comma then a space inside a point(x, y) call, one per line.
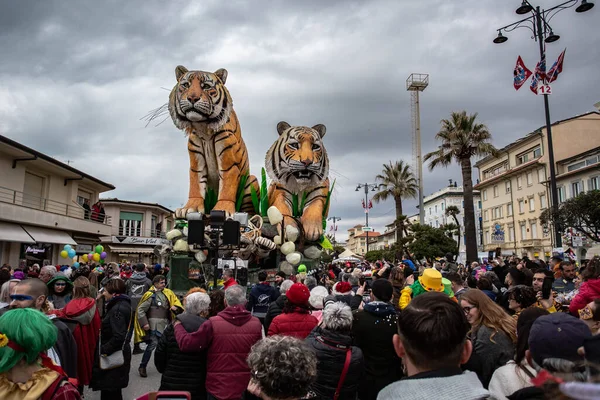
point(201, 106)
point(298, 166)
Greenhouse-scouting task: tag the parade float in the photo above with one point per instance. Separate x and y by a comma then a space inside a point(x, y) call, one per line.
point(230, 219)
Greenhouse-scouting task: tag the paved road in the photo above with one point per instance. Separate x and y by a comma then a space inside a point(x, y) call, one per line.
point(137, 385)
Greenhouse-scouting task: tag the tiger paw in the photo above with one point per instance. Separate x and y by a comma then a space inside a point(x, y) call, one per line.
point(227, 206)
point(195, 204)
point(312, 229)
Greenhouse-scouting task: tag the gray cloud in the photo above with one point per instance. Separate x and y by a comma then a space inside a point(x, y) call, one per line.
point(76, 78)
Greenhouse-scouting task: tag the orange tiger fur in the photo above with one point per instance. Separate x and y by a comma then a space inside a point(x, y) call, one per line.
point(201, 106)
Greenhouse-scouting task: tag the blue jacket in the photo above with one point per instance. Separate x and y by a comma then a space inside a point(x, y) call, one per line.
point(261, 295)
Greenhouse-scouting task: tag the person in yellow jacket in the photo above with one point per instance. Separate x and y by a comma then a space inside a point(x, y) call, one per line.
point(430, 281)
point(155, 309)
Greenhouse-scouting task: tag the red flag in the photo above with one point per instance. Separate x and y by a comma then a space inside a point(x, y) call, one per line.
point(539, 75)
point(521, 74)
point(556, 68)
point(370, 204)
point(363, 203)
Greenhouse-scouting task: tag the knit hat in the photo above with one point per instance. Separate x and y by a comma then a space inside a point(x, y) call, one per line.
point(301, 268)
point(382, 289)
point(448, 287)
point(281, 274)
point(317, 297)
point(518, 276)
point(431, 280)
point(19, 275)
point(557, 335)
point(298, 294)
point(342, 288)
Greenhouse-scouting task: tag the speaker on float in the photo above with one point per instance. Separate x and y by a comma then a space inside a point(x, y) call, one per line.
point(196, 232)
point(231, 232)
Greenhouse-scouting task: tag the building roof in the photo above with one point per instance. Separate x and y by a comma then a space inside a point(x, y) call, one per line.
point(137, 203)
point(447, 192)
point(371, 235)
point(37, 155)
point(530, 135)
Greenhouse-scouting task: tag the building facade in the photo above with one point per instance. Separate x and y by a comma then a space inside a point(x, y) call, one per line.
point(514, 186)
point(357, 240)
point(435, 211)
point(42, 207)
point(137, 229)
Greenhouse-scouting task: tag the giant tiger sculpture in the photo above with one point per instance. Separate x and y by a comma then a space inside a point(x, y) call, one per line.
point(201, 106)
point(298, 166)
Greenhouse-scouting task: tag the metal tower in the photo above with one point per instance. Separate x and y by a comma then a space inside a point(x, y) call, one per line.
point(417, 83)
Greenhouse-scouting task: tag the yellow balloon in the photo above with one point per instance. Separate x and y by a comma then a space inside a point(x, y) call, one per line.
point(85, 258)
point(96, 257)
point(64, 254)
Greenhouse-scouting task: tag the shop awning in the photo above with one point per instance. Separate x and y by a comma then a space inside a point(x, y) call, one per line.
point(132, 250)
point(45, 235)
point(14, 233)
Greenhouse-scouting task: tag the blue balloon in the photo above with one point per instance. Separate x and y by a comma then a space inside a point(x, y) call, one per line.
point(72, 253)
point(76, 265)
point(67, 247)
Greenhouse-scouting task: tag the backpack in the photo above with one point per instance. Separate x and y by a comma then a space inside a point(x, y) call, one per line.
point(137, 290)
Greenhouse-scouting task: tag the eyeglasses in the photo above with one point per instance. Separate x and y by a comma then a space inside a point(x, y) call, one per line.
point(20, 297)
point(468, 309)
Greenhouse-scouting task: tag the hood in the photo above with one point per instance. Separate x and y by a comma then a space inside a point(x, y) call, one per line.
point(68, 288)
point(236, 315)
point(263, 288)
point(190, 322)
point(379, 308)
point(138, 276)
point(116, 300)
point(81, 310)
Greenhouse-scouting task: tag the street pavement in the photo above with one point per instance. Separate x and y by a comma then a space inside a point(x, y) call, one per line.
point(137, 385)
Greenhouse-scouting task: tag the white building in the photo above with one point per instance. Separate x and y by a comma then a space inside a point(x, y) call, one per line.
point(435, 211)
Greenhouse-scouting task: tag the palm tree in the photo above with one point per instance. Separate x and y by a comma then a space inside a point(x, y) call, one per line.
point(396, 181)
point(453, 211)
point(462, 139)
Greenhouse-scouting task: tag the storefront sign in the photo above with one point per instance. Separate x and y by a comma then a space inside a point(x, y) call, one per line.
point(84, 248)
point(139, 240)
point(38, 251)
point(498, 234)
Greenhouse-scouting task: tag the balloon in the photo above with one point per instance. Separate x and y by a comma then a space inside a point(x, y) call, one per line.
point(90, 256)
point(64, 254)
point(71, 253)
point(102, 262)
point(85, 258)
point(75, 265)
point(96, 257)
point(99, 249)
point(103, 255)
point(67, 247)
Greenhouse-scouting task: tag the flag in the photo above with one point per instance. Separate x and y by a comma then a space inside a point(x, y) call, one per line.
point(335, 229)
point(521, 74)
point(539, 75)
point(330, 228)
point(363, 203)
point(370, 204)
point(556, 68)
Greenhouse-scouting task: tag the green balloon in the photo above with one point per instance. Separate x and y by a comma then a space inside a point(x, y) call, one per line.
point(102, 261)
point(99, 249)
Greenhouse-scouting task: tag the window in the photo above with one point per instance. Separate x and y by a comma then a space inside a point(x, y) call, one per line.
point(509, 209)
point(497, 212)
point(541, 175)
point(479, 203)
point(519, 182)
point(437, 223)
point(436, 208)
point(521, 206)
point(576, 166)
point(429, 210)
point(485, 215)
point(543, 201)
point(495, 190)
point(523, 232)
point(484, 194)
point(507, 186)
point(534, 230)
point(486, 237)
point(537, 152)
point(592, 160)
point(443, 206)
point(594, 183)
point(82, 196)
point(511, 233)
point(33, 189)
point(562, 196)
point(529, 177)
point(130, 223)
point(531, 204)
point(576, 188)
point(522, 159)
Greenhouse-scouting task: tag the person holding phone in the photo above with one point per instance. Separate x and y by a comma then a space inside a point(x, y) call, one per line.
point(545, 297)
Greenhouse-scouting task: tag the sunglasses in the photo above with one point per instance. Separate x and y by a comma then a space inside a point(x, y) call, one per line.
point(20, 297)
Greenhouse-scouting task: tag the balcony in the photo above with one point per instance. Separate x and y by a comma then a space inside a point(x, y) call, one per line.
point(23, 208)
point(531, 242)
point(132, 232)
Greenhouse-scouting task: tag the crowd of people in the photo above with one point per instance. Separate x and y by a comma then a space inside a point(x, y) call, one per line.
point(509, 328)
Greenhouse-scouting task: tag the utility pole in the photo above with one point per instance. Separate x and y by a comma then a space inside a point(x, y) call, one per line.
point(335, 220)
point(367, 186)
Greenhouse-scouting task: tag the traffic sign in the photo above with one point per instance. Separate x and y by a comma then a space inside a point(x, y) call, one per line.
point(367, 229)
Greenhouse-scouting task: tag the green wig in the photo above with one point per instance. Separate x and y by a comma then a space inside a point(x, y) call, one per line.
point(28, 328)
point(418, 289)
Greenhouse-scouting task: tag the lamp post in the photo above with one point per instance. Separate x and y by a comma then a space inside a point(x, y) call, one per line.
point(335, 220)
point(367, 186)
point(543, 33)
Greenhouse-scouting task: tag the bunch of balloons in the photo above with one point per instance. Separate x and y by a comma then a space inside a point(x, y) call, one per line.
point(69, 252)
point(99, 255)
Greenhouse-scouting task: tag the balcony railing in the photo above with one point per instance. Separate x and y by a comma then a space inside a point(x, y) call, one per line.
point(73, 210)
point(154, 233)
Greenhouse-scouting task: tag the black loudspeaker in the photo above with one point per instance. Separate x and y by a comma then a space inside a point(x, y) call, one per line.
point(196, 232)
point(231, 232)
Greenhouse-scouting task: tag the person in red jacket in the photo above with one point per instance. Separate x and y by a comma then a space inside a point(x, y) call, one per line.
point(590, 288)
point(228, 280)
point(82, 308)
point(296, 319)
point(228, 338)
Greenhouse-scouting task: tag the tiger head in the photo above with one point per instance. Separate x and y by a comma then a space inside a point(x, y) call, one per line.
point(199, 98)
point(298, 160)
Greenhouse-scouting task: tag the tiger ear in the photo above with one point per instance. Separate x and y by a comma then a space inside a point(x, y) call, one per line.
point(282, 127)
point(180, 70)
point(320, 128)
point(221, 73)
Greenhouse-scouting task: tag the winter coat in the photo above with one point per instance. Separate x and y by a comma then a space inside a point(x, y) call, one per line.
point(275, 308)
point(489, 355)
point(296, 324)
point(181, 370)
point(83, 311)
point(228, 336)
point(353, 301)
point(510, 378)
point(65, 347)
point(490, 294)
point(260, 297)
point(114, 337)
point(330, 348)
point(588, 291)
point(373, 329)
point(137, 285)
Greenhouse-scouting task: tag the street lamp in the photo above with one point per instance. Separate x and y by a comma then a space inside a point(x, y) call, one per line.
point(367, 186)
point(542, 32)
point(335, 221)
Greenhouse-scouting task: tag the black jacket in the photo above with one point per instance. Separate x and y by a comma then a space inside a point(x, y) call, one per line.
point(114, 334)
point(373, 329)
point(275, 308)
point(66, 347)
point(352, 300)
point(181, 371)
point(331, 348)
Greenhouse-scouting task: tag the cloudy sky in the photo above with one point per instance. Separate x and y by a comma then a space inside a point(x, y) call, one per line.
point(76, 77)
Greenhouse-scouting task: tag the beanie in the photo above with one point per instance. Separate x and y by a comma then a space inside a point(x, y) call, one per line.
point(281, 274)
point(298, 294)
point(301, 268)
point(342, 287)
point(382, 289)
